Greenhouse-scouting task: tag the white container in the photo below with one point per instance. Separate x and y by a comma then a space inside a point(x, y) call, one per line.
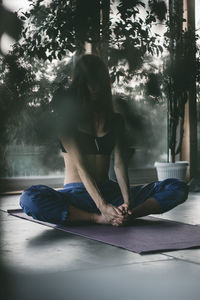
point(171, 170)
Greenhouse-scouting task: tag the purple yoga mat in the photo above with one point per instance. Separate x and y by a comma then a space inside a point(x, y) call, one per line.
point(144, 235)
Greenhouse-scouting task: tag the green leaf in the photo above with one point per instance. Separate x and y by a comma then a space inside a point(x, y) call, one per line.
point(59, 55)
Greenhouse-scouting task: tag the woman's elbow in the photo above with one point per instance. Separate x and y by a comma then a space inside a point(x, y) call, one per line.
point(118, 166)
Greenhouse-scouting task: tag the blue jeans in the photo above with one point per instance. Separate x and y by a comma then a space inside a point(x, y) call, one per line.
point(46, 204)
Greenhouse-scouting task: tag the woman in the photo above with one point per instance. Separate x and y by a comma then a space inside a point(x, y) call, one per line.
point(88, 135)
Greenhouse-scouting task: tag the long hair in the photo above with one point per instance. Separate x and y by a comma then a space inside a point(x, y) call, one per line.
point(92, 89)
point(88, 96)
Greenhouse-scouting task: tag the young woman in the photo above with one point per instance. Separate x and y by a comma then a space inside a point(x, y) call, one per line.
point(89, 130)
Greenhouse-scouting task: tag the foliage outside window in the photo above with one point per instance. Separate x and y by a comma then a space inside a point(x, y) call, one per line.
point(42, 60)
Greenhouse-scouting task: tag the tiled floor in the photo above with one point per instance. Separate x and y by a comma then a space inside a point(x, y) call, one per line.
point(44, 263)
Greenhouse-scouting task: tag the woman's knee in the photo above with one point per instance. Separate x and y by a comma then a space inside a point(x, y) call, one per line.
point(181, 190)
point(184, 192)
point(31, 199)
point(173, 193)
point(176, 186)
point(44, 203)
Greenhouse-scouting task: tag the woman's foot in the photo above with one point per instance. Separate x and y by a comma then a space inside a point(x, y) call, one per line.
point(76, 215)
point(99, 219)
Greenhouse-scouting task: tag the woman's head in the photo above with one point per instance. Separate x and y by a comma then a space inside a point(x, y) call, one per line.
point(89, 94)
point(91, 84)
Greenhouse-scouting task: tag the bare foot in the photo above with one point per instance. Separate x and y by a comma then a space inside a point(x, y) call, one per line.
point(100, 219)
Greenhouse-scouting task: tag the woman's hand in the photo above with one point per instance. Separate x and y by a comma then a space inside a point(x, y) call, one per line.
point(126, 212)
point(112, 214)
point(124, 208)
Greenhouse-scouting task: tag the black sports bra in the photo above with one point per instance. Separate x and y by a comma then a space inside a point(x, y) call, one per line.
point(94, 145)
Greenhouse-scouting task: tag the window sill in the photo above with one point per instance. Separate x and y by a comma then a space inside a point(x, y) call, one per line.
point(17, 184)
point(13, 184)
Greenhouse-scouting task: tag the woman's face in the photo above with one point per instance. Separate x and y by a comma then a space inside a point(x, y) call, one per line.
point(93, 92)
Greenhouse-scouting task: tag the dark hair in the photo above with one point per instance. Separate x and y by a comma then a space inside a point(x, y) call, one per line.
point(91, 87)
point(89, 93)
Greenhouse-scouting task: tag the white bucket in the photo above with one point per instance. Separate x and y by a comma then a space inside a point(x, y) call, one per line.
point(171, 170)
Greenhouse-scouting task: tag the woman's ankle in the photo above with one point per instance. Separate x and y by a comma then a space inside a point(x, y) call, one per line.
point(76, 214)
point(96, 218)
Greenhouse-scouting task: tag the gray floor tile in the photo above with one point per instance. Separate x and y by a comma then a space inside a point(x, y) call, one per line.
point(190, 255)
point(174, 280)
point(9, 202)
point(188, 212)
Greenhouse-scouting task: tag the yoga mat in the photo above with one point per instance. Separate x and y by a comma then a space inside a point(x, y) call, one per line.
point(144, 235)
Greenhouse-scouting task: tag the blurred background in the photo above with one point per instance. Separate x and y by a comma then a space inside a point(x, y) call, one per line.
point(39, 41)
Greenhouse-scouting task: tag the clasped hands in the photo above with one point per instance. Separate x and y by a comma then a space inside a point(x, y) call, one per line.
point(116, 216)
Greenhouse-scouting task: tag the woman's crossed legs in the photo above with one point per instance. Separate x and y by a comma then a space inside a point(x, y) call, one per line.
point(73, 203)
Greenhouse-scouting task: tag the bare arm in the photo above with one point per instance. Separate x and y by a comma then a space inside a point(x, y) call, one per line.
point(120, 167)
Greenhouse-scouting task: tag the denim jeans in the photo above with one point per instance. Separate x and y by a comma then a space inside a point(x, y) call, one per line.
point(46, 204)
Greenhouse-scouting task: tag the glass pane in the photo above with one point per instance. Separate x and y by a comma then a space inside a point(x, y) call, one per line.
point(146, 114)
point(146, 129)
point(197, 10)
